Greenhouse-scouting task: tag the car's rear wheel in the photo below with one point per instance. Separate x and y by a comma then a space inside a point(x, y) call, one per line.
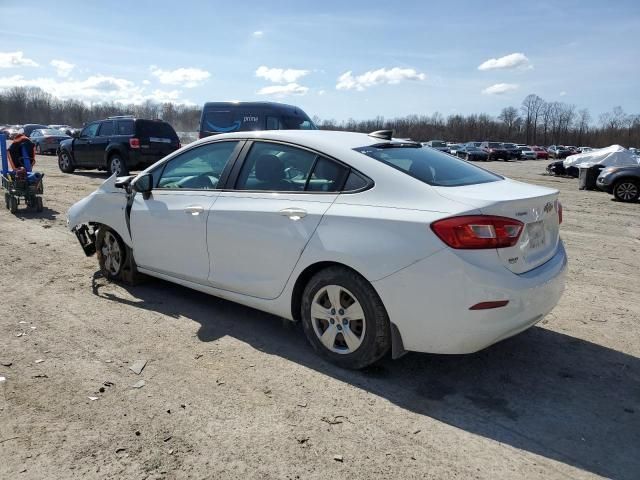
point(117, 165)
point(344, 319)
point(626, 190)
point(65, 164)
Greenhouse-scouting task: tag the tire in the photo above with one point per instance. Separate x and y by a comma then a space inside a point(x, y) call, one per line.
point(111, 253)
point(369, 336)
point(39, 205)
point(65, 162)
point(117, 165)
point(38, 149)
point(7, 200)
point(626, 190)
point(13, 204)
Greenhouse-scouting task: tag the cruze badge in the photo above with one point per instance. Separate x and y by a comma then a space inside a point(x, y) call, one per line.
point(548, 207)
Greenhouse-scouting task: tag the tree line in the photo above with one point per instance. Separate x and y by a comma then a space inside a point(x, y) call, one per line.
point(534, 122)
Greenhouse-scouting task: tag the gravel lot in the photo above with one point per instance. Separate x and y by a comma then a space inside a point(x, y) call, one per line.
point(231, 392)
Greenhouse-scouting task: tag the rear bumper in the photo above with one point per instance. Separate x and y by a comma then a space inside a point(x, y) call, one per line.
point(429, 301)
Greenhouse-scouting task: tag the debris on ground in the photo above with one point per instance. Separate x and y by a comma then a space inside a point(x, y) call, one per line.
point(139, 384)
point(6, 363)
point(302, 404)
point(39, 360)
point(138, 366)
point(335, 420)
point(92, 398)
point(2, 379)
point(338, 458)
point(41, 375)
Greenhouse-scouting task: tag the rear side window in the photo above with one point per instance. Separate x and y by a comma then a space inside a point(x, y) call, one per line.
point(150, 128)
point(327, 176)
point(124, 127)
point(106, 129)
point(428, 165)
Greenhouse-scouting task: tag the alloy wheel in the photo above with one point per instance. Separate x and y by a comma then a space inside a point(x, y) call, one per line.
point(627, 191)
point(111, 253)
point(65, 161)
point(338, 319)
point(116, 166)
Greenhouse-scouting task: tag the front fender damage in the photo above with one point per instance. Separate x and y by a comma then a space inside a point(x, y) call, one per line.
point(106, 206)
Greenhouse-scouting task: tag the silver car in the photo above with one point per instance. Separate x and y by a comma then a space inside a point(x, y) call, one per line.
point(622, 182)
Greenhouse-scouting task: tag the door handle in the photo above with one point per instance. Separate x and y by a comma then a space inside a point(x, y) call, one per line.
point(294, 213)
point(194, 210)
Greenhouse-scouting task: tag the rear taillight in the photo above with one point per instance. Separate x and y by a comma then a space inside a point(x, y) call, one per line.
point(478, 231)
point(559, 210)
point(134, 142)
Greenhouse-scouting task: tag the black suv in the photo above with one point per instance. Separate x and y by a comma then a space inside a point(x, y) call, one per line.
point(117, 145)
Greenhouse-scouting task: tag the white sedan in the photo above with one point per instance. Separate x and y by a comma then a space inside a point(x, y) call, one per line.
point(374, 244)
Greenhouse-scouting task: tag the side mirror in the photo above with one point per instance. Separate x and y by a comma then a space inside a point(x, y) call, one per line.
point(143, 184)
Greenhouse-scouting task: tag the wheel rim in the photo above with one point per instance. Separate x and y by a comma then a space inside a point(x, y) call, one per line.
point(65, 161)
point(111, 253)
point(338, 319)
point(116, 165)
point(627, 191)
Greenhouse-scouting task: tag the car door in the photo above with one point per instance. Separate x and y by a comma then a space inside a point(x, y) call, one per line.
point(169, 228)
point(82, 146)
point(101, 141)
point(257, 231)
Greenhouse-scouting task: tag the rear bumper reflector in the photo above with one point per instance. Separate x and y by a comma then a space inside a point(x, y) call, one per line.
point(489, 305)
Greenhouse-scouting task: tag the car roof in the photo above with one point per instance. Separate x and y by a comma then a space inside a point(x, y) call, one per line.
point(274, 106)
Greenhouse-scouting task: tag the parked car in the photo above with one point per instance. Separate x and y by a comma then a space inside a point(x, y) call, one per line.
point(527, 153)
point(622, 182)
point(438, 145)
point(66, 129)
point(47, 140)
point(30, 127)
point(118, 145)
point(454, 147)
point(225, 117)
point(474, 144)
point(559, 151)
point(471, 153)
point(541, 153)
point(495, 151)
point(514, 151)
point(295, 223)
point(585, 149)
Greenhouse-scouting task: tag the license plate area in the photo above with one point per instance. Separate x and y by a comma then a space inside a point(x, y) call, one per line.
point(537, 238)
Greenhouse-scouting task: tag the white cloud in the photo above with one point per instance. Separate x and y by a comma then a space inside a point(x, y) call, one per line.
point(62, 68)
point(280, 75)
point(186, 77)
point(500, 88)
point(15, 59)
point(146, 82)
point(321, 92)
point(563, 93)
point(96, 88)
point(258, 34)
point(511, 61)
point(283, 90)
point(394, 75)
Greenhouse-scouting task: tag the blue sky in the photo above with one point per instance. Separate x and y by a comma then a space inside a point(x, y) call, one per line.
point(335, 59)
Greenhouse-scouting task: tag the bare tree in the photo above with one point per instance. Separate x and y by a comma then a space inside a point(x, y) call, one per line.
point(510, 117)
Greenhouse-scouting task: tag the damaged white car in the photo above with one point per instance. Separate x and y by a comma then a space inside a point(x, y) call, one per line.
point(374, 244)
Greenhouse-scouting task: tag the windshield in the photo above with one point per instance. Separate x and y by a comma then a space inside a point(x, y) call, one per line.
point(437, 143)
point(495, 145)
point(429, 166)
point(297, 123)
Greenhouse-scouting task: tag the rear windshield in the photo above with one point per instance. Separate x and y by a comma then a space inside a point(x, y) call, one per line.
point(151, 128)
point(428, 165)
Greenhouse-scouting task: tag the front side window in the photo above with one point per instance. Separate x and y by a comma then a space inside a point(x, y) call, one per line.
point(197, 169)
point(428, 165)
point(90, 130)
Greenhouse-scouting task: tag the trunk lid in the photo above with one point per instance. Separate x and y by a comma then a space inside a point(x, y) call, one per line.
point(536, 207)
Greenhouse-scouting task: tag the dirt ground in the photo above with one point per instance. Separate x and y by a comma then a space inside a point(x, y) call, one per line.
point(231, 392)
